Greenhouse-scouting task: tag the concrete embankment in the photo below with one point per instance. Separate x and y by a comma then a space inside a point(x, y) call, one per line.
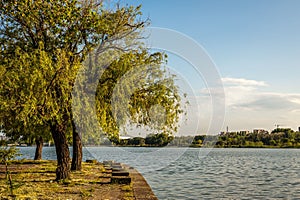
point(124, 174)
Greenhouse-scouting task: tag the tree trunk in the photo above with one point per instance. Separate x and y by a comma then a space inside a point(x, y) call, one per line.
point(77, 151)
point(39, 148)
point(77, 146)
point(58, 131)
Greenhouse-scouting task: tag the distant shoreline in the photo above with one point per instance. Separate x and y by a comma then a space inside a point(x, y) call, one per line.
point(193, 147)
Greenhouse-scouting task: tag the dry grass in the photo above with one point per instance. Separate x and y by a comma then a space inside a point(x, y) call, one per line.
point(35, 180)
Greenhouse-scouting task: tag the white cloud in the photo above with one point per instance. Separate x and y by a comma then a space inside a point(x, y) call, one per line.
point(242, 82)
point(244, 93)
point(249, 104)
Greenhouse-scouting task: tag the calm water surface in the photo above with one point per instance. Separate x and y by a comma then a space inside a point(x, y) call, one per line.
point(177, 173)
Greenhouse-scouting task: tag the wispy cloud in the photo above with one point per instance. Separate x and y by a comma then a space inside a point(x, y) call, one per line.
point(242, 82)
point(249, 104)
point(243, 93)
point(271, 101)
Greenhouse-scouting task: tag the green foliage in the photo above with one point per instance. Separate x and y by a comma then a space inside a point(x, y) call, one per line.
point(72, 25)
point(42, 44)
point(133, 89)
point(7, 154)
point(33, 90)
point(152, 140)
point(282, 130)
point(182, 141)
point(276, 139)
point(159, 140)
point(3, 143)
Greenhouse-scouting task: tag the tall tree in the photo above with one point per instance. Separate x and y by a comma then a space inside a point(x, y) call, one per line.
point(29, 90)
point(58, 34)
point(43, 45)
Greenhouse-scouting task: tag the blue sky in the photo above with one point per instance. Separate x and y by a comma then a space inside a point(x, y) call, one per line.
point(255, 45)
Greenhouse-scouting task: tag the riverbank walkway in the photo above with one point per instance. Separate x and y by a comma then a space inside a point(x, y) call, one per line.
point(96, 181)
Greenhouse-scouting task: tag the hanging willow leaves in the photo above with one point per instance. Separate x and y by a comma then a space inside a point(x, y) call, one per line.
point(136, 89)
point(43, 45)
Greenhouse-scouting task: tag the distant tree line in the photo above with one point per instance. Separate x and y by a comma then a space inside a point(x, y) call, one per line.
point(278, 138)
point(152, 140)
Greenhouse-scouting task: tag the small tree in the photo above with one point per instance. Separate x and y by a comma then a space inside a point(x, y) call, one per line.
point(7, 154)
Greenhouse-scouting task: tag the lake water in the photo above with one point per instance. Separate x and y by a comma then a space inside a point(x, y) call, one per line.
point(178, 173)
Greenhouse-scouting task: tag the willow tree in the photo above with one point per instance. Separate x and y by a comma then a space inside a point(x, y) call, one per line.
point(45, 42)
point(29, 89)
point(136, 90)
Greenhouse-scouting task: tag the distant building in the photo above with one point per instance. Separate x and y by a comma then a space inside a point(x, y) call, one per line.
point(244, 132)
point(124, 137)
point(260, 131)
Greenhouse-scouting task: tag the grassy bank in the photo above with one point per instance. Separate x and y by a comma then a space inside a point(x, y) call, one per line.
point(35, 180)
